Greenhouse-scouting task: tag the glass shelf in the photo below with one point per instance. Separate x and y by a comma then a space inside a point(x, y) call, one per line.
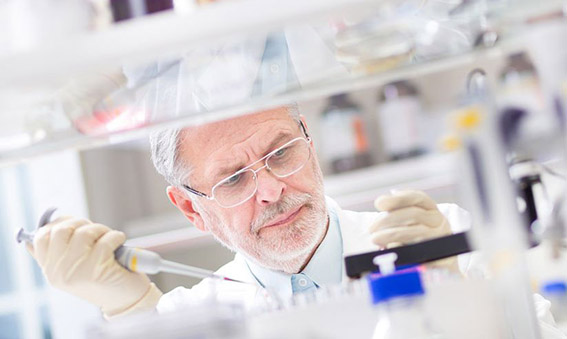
point(356, 189)
point(225, 59)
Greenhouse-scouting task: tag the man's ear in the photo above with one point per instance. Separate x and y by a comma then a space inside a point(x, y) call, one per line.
point(185, 205)
point(302, 117)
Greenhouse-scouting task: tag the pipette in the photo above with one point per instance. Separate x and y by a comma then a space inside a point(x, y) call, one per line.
point(136, 259)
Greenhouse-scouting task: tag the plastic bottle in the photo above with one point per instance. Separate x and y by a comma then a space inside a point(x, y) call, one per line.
point(399, 115)
point(399, 297)
point(345, 144)
point(556, 293)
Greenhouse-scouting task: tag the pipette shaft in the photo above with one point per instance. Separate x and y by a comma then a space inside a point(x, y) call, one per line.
point(138, 260)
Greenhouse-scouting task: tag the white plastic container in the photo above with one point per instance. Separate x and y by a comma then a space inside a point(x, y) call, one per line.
point(399, 298)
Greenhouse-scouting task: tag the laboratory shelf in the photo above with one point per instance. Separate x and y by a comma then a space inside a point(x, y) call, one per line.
point(32, 77)
point(358, 189)
point(170, 33)
point(164, 232)
point(183, 238)
point(72, 139)
point(53, 62)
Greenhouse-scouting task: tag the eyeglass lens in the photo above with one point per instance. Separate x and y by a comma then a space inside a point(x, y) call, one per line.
point(283, 162)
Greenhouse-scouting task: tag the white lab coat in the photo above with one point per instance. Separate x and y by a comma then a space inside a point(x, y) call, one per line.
point(356, 239)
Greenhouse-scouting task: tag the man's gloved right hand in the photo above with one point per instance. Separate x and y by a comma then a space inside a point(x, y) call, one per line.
point(410, 217)
point(77, 256)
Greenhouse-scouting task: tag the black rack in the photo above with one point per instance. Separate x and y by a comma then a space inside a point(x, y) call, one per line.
point(413, 254)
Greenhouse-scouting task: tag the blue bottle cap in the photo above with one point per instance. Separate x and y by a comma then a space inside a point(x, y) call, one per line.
point(554, 287)
point(401, 283)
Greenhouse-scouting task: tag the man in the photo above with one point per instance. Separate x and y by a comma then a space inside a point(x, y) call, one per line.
point(255, 184)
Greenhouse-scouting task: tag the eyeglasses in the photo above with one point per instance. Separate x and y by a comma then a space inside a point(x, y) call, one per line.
point(282, 162)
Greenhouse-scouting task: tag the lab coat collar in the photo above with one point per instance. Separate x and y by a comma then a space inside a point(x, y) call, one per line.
point(326, 265)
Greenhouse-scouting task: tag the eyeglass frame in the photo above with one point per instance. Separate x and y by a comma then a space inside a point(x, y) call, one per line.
point(265, 158)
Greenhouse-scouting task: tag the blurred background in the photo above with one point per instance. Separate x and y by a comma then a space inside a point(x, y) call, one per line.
point(378, 83)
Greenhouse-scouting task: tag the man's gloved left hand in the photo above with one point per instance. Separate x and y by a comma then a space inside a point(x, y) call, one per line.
point(409, 217)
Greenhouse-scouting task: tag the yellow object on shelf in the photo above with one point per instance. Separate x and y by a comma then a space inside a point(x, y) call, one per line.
point(450, 142)
point(469, 118)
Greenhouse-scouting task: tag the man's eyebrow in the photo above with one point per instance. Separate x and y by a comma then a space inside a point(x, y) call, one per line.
point(228, 170)
point(281, 136)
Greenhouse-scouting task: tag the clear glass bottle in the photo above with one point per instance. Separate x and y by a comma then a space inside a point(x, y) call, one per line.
point(345, 143)
point(399, 114)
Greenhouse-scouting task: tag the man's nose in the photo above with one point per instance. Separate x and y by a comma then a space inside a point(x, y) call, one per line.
point(270, 187)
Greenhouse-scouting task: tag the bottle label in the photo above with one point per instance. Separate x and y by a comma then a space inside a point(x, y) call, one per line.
point(522, 90)
point(344, 134)
point(399, 124)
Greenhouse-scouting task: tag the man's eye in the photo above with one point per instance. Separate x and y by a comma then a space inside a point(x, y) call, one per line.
point(232, 180)
point(281, 152)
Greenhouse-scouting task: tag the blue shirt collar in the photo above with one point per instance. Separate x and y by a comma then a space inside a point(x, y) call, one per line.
point(325, 267)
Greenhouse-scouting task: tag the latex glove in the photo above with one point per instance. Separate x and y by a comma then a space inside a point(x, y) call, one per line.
point(410, 217)
point(77, 256)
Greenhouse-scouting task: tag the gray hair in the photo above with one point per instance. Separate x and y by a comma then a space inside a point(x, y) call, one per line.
point(165, 144)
